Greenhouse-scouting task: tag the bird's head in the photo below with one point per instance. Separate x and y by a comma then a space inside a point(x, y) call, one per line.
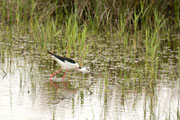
point(84, 70)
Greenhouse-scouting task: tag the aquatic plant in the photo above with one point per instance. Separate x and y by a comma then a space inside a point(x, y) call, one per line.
point(179, 57)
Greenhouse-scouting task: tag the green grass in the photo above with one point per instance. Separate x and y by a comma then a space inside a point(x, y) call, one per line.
point(73, 31)
point(179, 58)
point(53, 25)
point(176, 12)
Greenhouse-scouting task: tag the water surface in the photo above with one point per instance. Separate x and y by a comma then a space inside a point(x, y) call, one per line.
point(118, 90)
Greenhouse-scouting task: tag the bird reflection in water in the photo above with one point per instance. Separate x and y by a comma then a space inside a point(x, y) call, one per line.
point(66, 91)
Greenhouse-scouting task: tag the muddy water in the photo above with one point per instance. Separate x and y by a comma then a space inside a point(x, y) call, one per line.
point(118, 90)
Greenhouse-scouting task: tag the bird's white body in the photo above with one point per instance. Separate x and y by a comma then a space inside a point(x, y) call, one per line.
point(69, 64)
point(66, 65)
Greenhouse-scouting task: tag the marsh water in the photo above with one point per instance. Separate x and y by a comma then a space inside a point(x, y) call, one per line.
point(117, 90)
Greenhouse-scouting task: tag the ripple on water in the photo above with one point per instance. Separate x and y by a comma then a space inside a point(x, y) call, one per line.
point(119, 89)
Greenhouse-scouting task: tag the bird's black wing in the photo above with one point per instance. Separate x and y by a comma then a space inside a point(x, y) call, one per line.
point(62, 58)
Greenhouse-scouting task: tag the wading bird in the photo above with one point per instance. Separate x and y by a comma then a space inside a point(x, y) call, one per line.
point(67, 64)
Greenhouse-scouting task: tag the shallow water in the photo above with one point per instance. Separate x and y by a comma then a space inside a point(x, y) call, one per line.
point(118, 90)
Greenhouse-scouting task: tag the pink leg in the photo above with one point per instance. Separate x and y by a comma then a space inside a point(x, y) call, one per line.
point(53, 75)
point(64, 75)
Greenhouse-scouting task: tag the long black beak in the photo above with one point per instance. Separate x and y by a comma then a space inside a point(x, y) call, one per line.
point(92, 74)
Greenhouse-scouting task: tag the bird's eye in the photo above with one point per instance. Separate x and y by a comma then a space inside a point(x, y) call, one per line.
point(87, 69)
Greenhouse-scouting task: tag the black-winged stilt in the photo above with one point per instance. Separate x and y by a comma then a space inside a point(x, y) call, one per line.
point(67, 64)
